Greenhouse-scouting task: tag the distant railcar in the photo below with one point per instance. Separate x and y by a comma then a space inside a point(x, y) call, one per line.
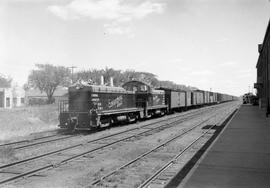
point(198, 97)
point(211, 97)
point(188, 99)
point(206, 97)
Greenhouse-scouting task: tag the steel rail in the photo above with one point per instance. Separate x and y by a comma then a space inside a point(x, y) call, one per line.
point(43, 142)
point(31, 172)
point(148, 152)
point(29, 140)
point(175, 158)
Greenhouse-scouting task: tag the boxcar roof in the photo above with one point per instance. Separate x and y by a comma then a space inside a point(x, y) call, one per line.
point(198, 90)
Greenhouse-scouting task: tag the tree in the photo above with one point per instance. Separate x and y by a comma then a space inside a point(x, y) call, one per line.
point(111, 73)
point(47, 77)
point(120, 77)
point(5, 81)
point(96, 74)
point(86, 75)
point(26, 86)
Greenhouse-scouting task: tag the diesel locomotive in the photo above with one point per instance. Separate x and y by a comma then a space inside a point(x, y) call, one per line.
point(93, 106)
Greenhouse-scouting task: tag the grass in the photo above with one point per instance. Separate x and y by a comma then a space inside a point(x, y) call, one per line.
point(26, 120)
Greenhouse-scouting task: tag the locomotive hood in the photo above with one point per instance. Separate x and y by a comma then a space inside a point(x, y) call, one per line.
point(84, 86)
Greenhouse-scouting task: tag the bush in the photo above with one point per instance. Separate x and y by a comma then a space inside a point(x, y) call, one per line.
point(26, 120)
point(38, 101)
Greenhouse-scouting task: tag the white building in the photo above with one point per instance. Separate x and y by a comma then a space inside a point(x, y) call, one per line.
point(18, 96)
point(5, 97)
point(11, 97)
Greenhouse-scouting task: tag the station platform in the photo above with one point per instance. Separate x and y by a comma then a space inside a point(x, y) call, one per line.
point(239, 157)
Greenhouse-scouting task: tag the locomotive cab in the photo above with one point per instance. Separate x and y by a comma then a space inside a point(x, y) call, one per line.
point(151, 100)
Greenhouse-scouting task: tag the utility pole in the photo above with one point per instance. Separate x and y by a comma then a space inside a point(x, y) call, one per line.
point(72, 68)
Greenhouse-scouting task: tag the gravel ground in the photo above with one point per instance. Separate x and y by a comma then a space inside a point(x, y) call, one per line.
point(81, 172)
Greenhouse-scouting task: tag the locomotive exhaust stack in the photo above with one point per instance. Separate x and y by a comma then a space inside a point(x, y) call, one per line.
point(111, 81)
point(101, 80)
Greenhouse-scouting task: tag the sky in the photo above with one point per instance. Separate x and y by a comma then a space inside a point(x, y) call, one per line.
point(202, 43)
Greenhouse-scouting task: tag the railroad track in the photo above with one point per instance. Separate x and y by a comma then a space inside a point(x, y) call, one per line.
point(12, 173)
point(101, 181)
point(27, 140)
point(37, 140)
point(147, 153)
point(23, 144)
point(164, 175)
point(58, 138)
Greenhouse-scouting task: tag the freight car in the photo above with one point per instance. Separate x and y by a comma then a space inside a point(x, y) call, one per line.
point(198, 98)
point(93, 106)
point(177, 100)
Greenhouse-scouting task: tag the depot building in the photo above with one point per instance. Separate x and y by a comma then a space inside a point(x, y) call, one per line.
point(263, 72)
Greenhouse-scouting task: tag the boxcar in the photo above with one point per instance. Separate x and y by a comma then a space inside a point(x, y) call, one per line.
point(211, 97)
point(199, 97)
point(206, 97)
point(215, 97)
point(219, 98)
point(175, 99)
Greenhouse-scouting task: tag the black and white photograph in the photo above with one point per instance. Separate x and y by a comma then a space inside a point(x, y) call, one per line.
point(134, 93)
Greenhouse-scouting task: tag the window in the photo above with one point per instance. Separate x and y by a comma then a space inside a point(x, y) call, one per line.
point(2, 99)
point(7, 102)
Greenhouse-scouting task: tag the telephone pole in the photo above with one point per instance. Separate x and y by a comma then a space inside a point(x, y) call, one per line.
point(72, 68)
